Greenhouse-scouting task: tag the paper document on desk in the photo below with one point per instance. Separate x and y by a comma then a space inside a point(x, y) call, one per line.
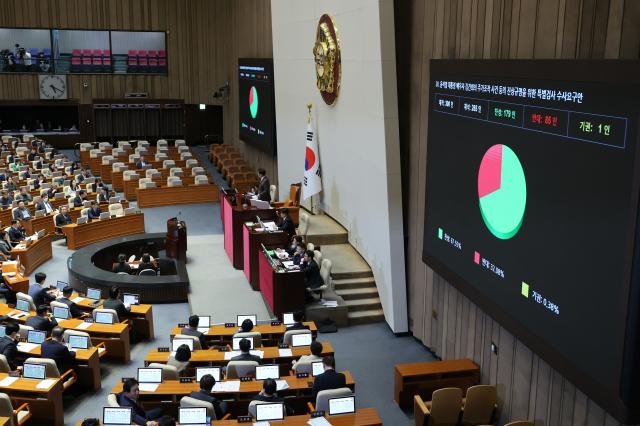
point(7, 381)
point(285, 353)
point(26, 347)
point(281, 385)
point(261, 424)
point(229, 355)
point(287, 263)
point(77, 299)
point(45, 384)
point(318, 421)
point(259, 353)
point(16, 315)
point(271, 226)
point(84, 326)
point(148, 387)
point(228, 386)
point(203, 330)
point(8, 274)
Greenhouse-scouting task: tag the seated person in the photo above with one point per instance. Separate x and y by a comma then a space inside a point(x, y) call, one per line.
point(192, 330)
point(94, 211)
point(22, 212)
point(45, 205)
point(269, 394)
point(246, 326)
point(286, 224)
point(6, 199)
point(74, 309)
point(9, 344)
point(245, 349)
point(181, 358)
point(58, 351)
point(129, 398)
point(81, 195)
point(97, 184)
point(298, 318)
point(312, 275)
point(298, 255)
point(142, 163)
point(16, 232)
point(5, 246)
point(23, 195)
point(64, 218)
point(329, 379)
point(146, 264)
point(40, 321)
point(316, 355)
point(38, 292)
point(103, 195)
point(295, 241)
point(116, 304)
point(122, 265)
point(11, 184)
point(207, 382)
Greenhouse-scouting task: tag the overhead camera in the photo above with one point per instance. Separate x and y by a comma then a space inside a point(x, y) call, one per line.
point(222, 91)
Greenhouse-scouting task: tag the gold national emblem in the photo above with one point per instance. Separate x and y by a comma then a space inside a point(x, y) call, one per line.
point(326, 52)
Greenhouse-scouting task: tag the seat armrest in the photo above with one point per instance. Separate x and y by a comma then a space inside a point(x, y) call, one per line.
point(278, 204)
point(23, 407)
point(311, 407)
point(73, 377)
point(226, 416)
point(421, 412)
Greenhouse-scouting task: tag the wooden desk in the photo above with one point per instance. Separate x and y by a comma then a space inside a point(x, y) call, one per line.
point(251, 248)
point(422, 378)
point(114, 336)
point(140, 317)
point(5, 421)
point(35, 255)
point(271, 334)
point(46, 404)
point(282, 291)
point(214, 357)
point(233, 221)
point(98, 230)
point(16, 282)
point(117, 182)
point(87, 365)
point(170, 195)
point(37, 223)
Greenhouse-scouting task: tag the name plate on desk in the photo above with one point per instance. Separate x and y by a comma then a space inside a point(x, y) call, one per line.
point(223, 349)
point(245, 419)
point(315, 414)
point(246, 379)
point(229, 324)
point(163, 349)
point(124, 379)
point(14, 374)
point(276, 323)
point(302, 375)
point(186, 379)
point(182, 325)
point(89, 320)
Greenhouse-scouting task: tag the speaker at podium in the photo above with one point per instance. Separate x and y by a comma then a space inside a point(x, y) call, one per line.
point(176, 240)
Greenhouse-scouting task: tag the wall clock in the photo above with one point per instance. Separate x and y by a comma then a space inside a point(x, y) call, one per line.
point(52, 86)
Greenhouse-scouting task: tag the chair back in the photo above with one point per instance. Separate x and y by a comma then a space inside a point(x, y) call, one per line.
point(273, 192)
point(317, 256)
point(146, 183)
point(480, 404)
point(286, 339)
point(190, 163)
point(201, 180)
point(51, 369)
point(4, 365)
point(446, 404)
point(107, 160)
point(294, 194)
point(167, 164)
point(174, 181)
point(56, 304)
point(255, 335)
point(520, 423)
point(303, 225)
point(252, 407)
point(169, 372)
point(187, 401)
point(133, 158)
point(150, 172)
point(176, 171)
point(197, 171)
point(312, 247)
point(325, 272)
point(185, 155)
point(179, 142)
point(112, 400)
point(84, 212)
point(113, 313)
point(304, 367)
point(196, 341)
point(67, 333)
point(322, 399)
point(147, 273)
point(24, 296)
point(116, 209)
point(6, 408)
point(237, 369)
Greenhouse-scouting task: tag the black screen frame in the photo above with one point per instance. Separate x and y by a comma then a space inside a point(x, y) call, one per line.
point(625, 406)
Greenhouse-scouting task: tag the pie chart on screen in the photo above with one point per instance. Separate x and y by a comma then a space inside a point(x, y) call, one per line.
point(502, 191)
point(253, 102)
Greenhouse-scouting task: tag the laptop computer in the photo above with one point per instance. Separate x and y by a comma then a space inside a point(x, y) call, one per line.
point(22, 305)
point(203, 371)
point(287, 318)
point(193, 416)
point(150, 375)
point(34, 371)
point(40, 213)
point(131, 299)
point(176, 343)
point(116, 416)
point(129, 210)
point(204, 322)
point(253, 318)
point(114, 200)
point(60, 285)
point(93, 293)
point(36, 336)
point(236, 342)
point(301, 340)
point(259, 204)
point(60, 313)
point(82, 220)
point(104, 318)
point(267, 412)
point(41, 233)
point(317, 368)
point(78, 342)
point(104, 215)
point(342, 405)
point(264, 372)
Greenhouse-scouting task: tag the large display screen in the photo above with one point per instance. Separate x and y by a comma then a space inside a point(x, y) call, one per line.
point(531, 208)
point(256, 108)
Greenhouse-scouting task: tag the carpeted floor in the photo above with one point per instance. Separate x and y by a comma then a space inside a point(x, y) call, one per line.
point(217, 289)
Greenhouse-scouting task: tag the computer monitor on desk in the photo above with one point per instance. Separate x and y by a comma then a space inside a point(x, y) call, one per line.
point(259, 204)
point(116, 416)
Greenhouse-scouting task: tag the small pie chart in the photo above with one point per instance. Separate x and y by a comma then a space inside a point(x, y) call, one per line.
point(253, 102)
point(502, 191)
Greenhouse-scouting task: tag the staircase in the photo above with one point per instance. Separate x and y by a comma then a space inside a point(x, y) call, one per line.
point(351, 275)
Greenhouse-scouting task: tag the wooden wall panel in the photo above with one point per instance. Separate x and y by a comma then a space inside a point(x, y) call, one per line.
point(440, 316)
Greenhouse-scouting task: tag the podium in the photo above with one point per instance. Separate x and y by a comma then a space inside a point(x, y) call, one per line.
point(175, 244)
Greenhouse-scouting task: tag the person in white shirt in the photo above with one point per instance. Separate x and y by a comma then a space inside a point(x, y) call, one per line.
point(316, 355)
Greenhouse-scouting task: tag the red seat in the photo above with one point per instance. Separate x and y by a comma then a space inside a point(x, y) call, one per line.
point(151, 53)
point(97, 61)
point(133, 53)
point(76, 52)
point(153, 62)
point(162, 54)
point(75, 61)
point(142, 62)
point(106, 52)
point(107, 61)
point(133, 62)
point(86, 52)
point(142, 53)
point(97, 52)
point(86, 60)
point(162, 62)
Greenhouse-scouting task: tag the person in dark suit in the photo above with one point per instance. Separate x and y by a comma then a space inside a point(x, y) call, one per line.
point(129, 398)
point(298, 318)
point(312, 275)
point(64, 218)
point(264, 187)
point(37, 292)
point(103, 196)
point(5, 246)
point(94, 211)
point(122, 265)
point(245, 348)
point(45, 205)
point(114, 303)
point(16, 232)
point(329, 379)
point(269, 394)
point(146, 264)
point(79, 198)
point(142, 163)
point(286, 224)
point(32, 155)
point(192, 330)
point(295, 240)
point(22, 212)
point(8, 344)
point(298, 255)
point(74, 309)
point(5, 199)
point(58, 351)
point(207, 382)
point(23, 195)
point(95, 186)
point(40, 321)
